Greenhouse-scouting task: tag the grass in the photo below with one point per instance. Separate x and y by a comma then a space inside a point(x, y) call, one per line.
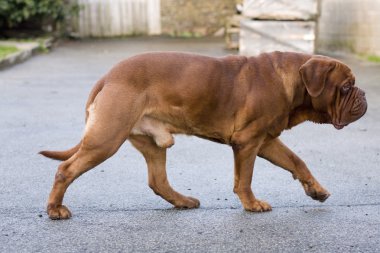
point(40, 40)
point(373, 58)
point(7, 50)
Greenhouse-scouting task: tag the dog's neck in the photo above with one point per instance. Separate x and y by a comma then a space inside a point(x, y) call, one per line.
point(302, 109)
point(306, 112)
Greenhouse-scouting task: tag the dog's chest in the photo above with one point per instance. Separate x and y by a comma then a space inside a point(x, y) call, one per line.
point(277, 126)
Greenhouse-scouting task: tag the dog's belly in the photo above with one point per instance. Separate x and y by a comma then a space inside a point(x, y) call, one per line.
point(162, 131)
point(157, 129)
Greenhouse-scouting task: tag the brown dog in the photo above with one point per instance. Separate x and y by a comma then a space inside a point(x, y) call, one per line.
point(242, 102)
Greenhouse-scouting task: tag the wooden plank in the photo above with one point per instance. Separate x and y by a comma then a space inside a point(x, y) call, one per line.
point(154, 17)
point(281, 9)
point(99, 18)
point(265, 36)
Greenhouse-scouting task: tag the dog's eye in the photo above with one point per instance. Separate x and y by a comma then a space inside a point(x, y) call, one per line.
point(346, 88)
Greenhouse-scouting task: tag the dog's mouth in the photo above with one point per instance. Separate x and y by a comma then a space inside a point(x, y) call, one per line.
point(339, 126)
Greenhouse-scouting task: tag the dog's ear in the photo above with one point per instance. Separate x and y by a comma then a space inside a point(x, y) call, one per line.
point(314, 74)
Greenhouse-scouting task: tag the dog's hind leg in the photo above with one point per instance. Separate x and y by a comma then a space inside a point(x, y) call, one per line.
point(155, 158)
point(111, 118)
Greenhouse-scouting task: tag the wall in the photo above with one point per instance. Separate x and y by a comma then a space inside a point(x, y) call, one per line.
point(195, 17)
point(350, 25)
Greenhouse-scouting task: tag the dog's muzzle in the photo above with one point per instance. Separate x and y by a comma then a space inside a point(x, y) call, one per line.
point(357, 109)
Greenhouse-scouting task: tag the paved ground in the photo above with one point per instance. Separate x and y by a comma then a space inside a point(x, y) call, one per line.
point(42, 106)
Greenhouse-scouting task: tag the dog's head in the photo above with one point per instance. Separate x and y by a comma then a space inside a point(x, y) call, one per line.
point(331, 86)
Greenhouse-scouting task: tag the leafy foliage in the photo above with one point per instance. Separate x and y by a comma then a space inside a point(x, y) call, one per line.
point(34, 13)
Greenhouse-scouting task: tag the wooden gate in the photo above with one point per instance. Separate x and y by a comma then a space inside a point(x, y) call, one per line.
point(284, 25)
point(106, 18)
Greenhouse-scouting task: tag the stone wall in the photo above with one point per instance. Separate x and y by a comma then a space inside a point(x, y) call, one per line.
point(350, 25)
point(189, 18)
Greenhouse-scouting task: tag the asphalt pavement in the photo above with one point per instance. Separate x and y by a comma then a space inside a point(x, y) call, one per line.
point(42, 107)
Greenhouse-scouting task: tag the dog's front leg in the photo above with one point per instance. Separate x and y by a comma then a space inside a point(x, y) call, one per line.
point(245, 156)
point(279, 154)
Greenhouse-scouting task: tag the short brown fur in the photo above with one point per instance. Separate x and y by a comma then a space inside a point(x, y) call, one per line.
point(242, 102)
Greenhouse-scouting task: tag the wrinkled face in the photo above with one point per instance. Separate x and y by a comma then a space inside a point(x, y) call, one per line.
point(331, 85)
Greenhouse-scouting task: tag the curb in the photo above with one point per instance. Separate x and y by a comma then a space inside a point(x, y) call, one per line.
point(27, 50)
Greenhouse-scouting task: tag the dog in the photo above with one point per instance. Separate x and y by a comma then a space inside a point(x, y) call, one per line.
point(243, 102)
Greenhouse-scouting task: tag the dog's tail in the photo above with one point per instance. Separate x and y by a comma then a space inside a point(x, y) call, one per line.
point(64, 155)
point(61, 155)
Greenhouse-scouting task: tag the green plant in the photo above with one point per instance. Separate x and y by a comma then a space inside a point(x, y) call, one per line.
point(35, 14)
point(6, 50)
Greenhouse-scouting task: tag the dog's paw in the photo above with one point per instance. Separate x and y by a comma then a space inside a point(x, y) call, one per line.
point(316, 191)
point(187, 203)
point(59, 212)
point(257, 206)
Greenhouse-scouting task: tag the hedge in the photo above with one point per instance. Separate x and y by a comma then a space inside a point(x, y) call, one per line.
point(35, 14)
